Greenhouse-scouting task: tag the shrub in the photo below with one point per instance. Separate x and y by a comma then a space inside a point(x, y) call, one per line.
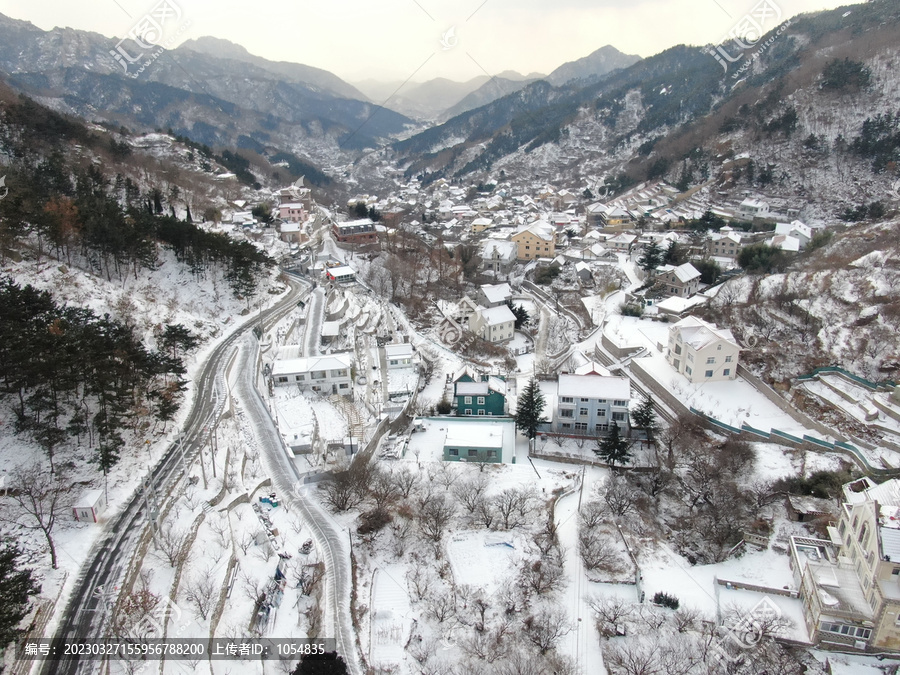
point(666, 600)
point(373, 521)
point(626, 309)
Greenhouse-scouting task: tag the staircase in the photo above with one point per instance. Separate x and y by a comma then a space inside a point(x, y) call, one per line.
point(351, 413)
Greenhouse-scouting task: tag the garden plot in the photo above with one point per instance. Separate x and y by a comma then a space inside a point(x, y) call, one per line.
point(484, 559)
point(391, 620)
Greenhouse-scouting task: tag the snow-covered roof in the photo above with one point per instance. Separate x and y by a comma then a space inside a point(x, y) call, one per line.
point(785, 242)
point(339, 361)
point(471, 388)
point(89, 499)
point(677, 304)
point(340, 271)
point(398, 351)
point(474, 434)
point(494, 316)
point(290, 227)
point(496, 292)
point(684, 273)
point(594, 386)
point(698, 333)
point(623, 238)
point(592, 368)
point(503, 249)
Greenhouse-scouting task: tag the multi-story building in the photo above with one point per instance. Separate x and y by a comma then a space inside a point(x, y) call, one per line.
point(494, 295)
point(498, 256)
point(479, 395)
point(682, 281)
point(494, 324)
point(537, 240)
point(702, 352)
point(360, 231)
point(850, 583)
point(324, 374)
point(589, 404)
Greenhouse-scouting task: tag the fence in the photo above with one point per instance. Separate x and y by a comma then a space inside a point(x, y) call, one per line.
point(884, 385)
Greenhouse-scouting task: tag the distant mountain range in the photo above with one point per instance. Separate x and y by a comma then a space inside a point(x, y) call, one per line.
point(441, 99)
point(209, 90)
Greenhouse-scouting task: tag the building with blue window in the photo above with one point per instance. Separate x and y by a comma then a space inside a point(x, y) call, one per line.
point(588, 404)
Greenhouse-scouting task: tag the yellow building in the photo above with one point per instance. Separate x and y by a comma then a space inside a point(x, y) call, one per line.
point(537, 240)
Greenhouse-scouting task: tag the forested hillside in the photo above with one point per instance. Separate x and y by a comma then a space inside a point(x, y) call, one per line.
point(70, 374)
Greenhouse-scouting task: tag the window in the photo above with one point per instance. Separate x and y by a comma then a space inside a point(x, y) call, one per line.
point(719, 348)
point(618, 417)
point(726, 372)
point(481, 400)
point(895, 572)
point(565, 399)
point(710, 359)
point(601, 413)
point(728, 359)
point(566, 426)
point(582, 412)
point(620, 403)
point(688, 370)
point(566, 413)
point(708, 373)
point(300, 378)
point(691, 358)
point(343, 385)
point(581, 426)
point(468, 411)
point(862, 532)
point(602, 427)
point(283, 378)
point(585, 400)
point(677, 349)
point(453, 452)
point(467, 400)
point(491, 454)
point(481, 412)
point(473, 452)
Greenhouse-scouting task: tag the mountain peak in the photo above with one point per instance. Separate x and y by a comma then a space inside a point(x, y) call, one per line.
point(596, 64)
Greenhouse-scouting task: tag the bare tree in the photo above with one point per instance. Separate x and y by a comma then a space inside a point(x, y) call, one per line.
point(406, 480)
point(245, 541)
point(512, 507)
point(343, 492)
point(309, 576)
point(200, 591)
point(611, 613)
point(469, 490)
point(441, 604)
point(383, 488)
point(546, 627)
point(633, 657)
point(171, 544)
point(37, 500)
point(484, 511)
point(593, 513)
point(518, 662)
point(435, 517)
point(543, 575)
point(597, 553)
point(619, 495)
point(402, 530)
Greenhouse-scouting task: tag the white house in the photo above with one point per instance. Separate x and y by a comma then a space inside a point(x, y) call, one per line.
point(753, 208)
point(498, 256)
point(89, 507)
point(329, 374)
point(702, 352)
point(494, 324)
point(494, 295)
point(590, 403)
point(796, 229)
point(682, 281)
point(399, 355)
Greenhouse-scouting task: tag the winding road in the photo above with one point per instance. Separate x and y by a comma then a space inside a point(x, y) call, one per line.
point(85, 614)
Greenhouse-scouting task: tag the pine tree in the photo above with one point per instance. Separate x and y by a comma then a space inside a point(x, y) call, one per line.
point(644, 417)
point(16, 587)
point(613, 448)
point(674, 254)
point(529, 411)
point(651, 257)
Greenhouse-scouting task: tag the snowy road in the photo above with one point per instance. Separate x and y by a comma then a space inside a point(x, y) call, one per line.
point(329, 540)
point(314, 312)
point(583, 643)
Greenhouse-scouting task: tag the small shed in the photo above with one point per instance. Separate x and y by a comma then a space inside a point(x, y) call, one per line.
point(802, 508)
point(89, 507)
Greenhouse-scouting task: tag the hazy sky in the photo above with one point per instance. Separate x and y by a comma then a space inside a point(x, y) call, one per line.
point(398, 39)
